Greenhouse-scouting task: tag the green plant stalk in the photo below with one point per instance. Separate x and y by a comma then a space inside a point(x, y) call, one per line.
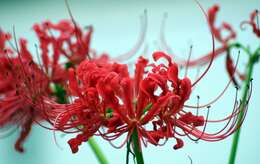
point(137, 151)
point(134, 139)
point(128, 150)
point(234, 147)
point(97, 151)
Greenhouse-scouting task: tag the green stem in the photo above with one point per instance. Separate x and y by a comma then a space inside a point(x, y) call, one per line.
point(128, 151)
point(97, 151)
point(234, 147)
point(136, 144)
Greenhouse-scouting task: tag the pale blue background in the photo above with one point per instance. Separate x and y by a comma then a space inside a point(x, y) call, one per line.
point(116, 26)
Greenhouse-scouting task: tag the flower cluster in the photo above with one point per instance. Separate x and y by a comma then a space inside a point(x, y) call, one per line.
point(24, 84)
point(106, 99)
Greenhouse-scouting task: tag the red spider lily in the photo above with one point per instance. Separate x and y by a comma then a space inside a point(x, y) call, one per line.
point(251, 22)
point(22, 84)
point(20, 99)
point(71, 41)
point(64, 39)
point(88, 112)
point(218, 33)
point(110, 103)
point(61, 38)
point(68, 40)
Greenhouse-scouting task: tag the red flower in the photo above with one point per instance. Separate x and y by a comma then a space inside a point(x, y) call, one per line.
point(110, 103)
point(70, 41)
point(23, 84)
point(65, 40)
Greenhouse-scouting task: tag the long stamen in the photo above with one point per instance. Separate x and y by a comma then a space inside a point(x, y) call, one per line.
point(203, 131)
point(213, 47)
point(26, 82)
point(191, 162)
point(222, 93)
point(198, 102)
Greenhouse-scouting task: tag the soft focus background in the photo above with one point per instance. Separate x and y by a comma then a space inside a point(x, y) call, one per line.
point(116, 25)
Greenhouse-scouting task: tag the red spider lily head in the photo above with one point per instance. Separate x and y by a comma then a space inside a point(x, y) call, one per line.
point(89, 106)
point(22, 83)
point(66, 39)
point(18, 100)
point(110, 103)
point(168, 111)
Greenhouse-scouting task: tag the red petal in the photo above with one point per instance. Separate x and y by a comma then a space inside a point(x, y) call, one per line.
point(139, 72)
point(157, 55)
point(161, 102)
point(73, 83)
point(179, 144)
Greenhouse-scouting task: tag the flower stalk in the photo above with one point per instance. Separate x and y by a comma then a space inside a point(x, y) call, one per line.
point(138, 153)
point(97, 151)
point(252, 61)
